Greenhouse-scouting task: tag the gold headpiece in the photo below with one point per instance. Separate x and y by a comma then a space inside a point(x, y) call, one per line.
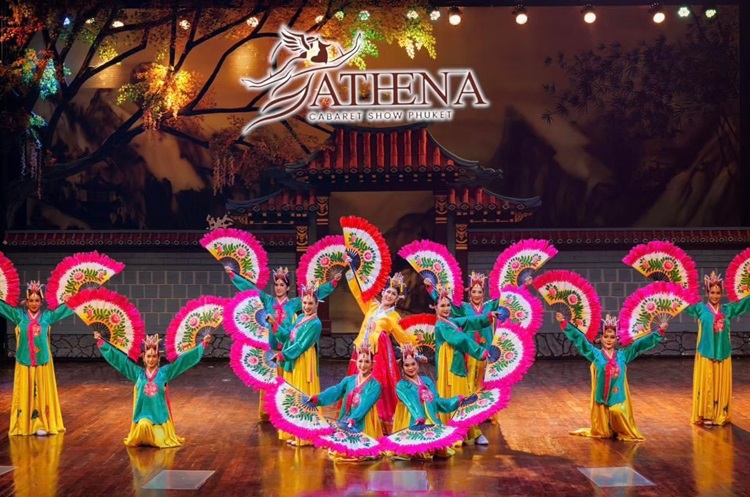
point(311, 289)
point(444, 291)
point(281, 273)
point(364, 348)
point(713, 279)
point(408, 350)
point(609, 323)
point(34, 286)
point(151, 342)
point(476, 279)
point(397, 281)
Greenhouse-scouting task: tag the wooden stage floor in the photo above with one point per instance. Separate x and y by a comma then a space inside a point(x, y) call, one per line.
point(531, 452)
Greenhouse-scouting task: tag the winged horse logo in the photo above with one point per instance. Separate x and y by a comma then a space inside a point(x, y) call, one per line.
point(313, 50)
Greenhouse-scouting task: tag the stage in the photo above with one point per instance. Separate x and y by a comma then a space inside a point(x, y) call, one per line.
point(531, 452)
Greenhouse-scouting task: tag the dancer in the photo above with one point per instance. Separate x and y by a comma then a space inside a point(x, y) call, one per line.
point(380, 322)
point(420, 402)
point(35, 406)
point(298, 357)
point(152, 416)
point(712, 375)
point(359, 392)
point(454, 339)
point(611, 410)
point(283, 309)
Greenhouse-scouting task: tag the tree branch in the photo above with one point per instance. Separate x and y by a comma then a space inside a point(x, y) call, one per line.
point(181, 134)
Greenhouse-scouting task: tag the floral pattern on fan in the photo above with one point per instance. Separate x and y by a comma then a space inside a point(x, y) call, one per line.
point(521, 258)
point(648, 306)
point(350, 442)
point(369, 254)
point(253, 365)
point(516, 354)
point(422, 327)
point(434, 262)
point(663, 260)
point(197, 318)
point(239, 251)
point(524, 309)
point(479, 407)
point(576, 294)
point(82, 271)
point(738, 276)
point(322, 261)
point(10, 287)
point(290, 410)
point(245, 319)
point(422, 438)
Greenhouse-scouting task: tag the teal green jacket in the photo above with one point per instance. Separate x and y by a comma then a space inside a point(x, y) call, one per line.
point(467, 309)
point(295, 341)
point(36, 341)
point(409, 393)
point(714, 345)
point(614, 393)
point(151, 394)
point(357, 402)
point(458, 332)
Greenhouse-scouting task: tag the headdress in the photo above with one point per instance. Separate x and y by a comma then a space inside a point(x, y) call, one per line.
point(364, 348)
point(281, 273)
point(151, 342)
point(408, 350)
point(34, 286)
point(397, 281)
point(713, 279)
point(443, 291)
point(476, 279)
point(609, 323)
point(310, 289)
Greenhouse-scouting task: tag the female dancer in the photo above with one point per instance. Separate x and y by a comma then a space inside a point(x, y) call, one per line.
point(420, 402)
point(298, 357)
point(381, 321)
point(611, 410)
point(453, 340)
point(712, 375)
point(35, 407)
point(152, 416)
point(359, 392)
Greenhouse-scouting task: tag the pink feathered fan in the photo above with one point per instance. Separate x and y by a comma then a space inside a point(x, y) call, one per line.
point(322, 261)
point(245, 319)
point(191, 324)
point(417, 439)
point(253, 365)
point(421, 326)
point(10, 286)
point(82, 271)
point(239, 251)
point(569, 289)
point(738, 276)
point(660, 260)
point(525, 310)
point(434, 262)
point(517, 353)
point(371, 259)
point(518, 261)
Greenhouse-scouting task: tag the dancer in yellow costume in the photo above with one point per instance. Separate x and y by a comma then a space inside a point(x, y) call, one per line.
point(712, 375)
point(298, 357)
point(35, 407)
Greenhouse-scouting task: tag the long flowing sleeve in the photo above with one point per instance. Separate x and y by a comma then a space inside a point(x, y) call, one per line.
point(243, 284)
point(10, 313)
point(580, 342)
point(333, 393)
point(62, 312)
point(443, 404)
point(183, 363)
point(462, 342)
point(473, 323)
point(368, 398)
point(351, 279)
point(694, 310)
point(398, 332)
point(326, 289)
point(307, 336)
point(410, 400)
point(737, 309)
point(119, 361)
point(642, 345)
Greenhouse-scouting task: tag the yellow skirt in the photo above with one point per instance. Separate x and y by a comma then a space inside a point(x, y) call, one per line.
point(450, 385)
point(372, 427)
point(36, 461)
point(35, 405)
point(144, 432)
point(305, 377)
point(609, 422)
point(712, 391)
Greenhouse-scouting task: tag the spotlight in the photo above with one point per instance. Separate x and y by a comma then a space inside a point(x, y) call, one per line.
point(90, 20)
point(684, 11)
point(454, 16)
point(67, 21)
point(710, 11)
point(521, 16)
point(589, 16)
point(412, 15)
point(118, 24)
point(185, 24)
point(319, 19)
point(657, 13)
point(252, 22)
point(435, 14)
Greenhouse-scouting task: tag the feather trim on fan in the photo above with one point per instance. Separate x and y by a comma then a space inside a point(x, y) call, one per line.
point(108, 311)
point(253, 365)
point(517, 355)
point(524, 309)
point(664, 260)
point(349, 442)
point(81, 271)
point(737, 281)
point(523, 257)
point(584, 311)
point(290, 410)
point(649, 305)
point(422, 327)
point(10, 285)
point(195, 317)
point(239, 251)
point(322, 260)
point(433, 261)
point(418, 439)
point(371, 259)
point(479, 407)
point(245, 319)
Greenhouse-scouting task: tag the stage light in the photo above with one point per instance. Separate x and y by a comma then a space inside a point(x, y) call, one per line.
point(434, 14)
point(185, 24)
point(67, 21)
point(657, 13)
point(90, 20)
point(252, 22)
point(522, 16)
point(319, 19)
point(710, 11)
point(364, 15)
point(454, 16)
point(589, 16)
point(412, 15)
point(683, 11)
point(118, 24)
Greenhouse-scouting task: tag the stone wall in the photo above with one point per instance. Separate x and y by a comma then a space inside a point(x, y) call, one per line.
point(159, 284)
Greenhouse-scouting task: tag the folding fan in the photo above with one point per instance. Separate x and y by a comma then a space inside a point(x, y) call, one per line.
point(516, 354)
point(479, 407)
point(322, 261)
point(738, 276)
point(417, 439)
point(10, 287)
point(245, 319)
point(239, 251)
point(195, 320)
point(661, 260)
point(434, 262)
point(576, 294)
point(82, 271)
point(369, 254)
point(518, 261)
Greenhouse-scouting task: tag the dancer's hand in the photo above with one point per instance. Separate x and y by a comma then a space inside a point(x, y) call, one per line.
point(206, 339)
point(97, 336)
point(420, 421)
point(337, 277)
point(559, 316)
point(427, 282)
